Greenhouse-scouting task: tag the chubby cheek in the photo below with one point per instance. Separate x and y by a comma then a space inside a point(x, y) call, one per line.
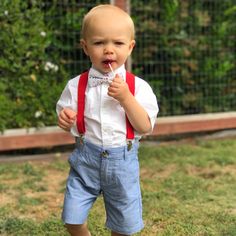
point(94, 58)
point(123, 58)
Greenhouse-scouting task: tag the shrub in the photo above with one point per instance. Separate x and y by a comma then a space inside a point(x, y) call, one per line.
point(186, 50)
point(31, 78)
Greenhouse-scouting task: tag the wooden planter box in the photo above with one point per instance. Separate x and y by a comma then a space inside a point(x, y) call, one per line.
point(54, 136)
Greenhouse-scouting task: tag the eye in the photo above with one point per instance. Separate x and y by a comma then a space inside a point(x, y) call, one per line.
point(119, 43)
point(98, 43)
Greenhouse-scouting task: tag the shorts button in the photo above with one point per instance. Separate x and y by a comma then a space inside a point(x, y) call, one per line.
point(105, 154)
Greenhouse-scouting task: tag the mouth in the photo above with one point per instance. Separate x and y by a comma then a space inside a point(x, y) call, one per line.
point(107, 62)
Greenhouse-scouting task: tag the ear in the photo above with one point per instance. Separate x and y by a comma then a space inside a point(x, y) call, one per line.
point(84, 46)
point(131, 46)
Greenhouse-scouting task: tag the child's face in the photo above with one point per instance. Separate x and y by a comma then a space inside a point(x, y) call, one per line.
point(108, 41)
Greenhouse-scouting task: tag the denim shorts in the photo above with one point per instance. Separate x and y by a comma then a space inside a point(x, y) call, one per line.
point(112, 172)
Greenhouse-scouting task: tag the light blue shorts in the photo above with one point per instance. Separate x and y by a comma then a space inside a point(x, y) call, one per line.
point(114, 172)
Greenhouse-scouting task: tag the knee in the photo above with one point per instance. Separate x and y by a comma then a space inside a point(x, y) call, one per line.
point(117, 234)
point(77, 230)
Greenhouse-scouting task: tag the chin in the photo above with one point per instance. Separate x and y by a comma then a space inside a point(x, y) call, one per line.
point(102, 70)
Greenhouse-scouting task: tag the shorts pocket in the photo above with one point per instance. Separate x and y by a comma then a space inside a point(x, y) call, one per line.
point(128, 172)
point(75, 158)
point(132, 168)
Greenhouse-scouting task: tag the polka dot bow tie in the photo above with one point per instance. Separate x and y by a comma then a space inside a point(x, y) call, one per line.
point(95, 80)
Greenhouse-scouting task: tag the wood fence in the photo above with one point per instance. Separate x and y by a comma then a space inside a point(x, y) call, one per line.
point(53, 136)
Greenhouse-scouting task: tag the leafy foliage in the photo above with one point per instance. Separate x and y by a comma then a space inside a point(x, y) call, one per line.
point(186, 50)
point(30, 78)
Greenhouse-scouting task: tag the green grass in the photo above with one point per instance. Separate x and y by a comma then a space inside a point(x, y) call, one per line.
point(188, 189)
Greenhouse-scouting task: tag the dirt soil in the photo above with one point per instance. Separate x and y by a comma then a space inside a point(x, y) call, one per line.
point(31, 203)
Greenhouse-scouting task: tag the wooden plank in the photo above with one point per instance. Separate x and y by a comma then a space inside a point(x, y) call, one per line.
point(194, 123)
point(54, 136)
point(35, 140)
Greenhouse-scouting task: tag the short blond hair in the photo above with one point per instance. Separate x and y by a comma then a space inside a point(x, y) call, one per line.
point(87, 20)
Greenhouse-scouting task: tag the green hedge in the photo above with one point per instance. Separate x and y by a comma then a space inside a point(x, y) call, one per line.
point(185, 49)
point(31, 78)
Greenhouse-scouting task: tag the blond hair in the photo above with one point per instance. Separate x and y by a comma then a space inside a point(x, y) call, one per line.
point(89, 17)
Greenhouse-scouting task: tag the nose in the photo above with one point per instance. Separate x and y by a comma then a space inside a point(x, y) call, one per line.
point(108, 49)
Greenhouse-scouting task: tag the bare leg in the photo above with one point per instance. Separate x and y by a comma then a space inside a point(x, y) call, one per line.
point(78, 230)
point(116, 234)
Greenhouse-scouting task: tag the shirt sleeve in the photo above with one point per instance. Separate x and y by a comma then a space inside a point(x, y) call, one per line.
point(147, 99)
point(68, 98)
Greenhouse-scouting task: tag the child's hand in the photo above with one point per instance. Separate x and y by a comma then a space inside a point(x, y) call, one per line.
point(66, 119)
point(119, 89)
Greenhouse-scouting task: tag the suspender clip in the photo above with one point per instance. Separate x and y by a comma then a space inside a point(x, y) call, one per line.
point(129, 145)
point(81, 139)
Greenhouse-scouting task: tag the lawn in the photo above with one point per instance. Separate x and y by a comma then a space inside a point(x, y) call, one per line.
point(187, 188)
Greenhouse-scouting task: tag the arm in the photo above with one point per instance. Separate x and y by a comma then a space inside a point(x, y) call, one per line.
point(66, 108)
point(137, 116)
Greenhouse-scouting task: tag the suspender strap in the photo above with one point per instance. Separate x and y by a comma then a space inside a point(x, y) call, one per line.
point(130, 79)
point(81, 102)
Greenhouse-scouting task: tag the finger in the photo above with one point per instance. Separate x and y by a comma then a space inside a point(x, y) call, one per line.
point(111, 94)
point(63, 116)
point(69, 113)
point(64, 128)
point(113, 89)
point(117, 80)
point(117, 76)
point(115, 85)
point(64, 123)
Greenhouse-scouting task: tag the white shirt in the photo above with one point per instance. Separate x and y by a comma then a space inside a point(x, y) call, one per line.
point(105, 122)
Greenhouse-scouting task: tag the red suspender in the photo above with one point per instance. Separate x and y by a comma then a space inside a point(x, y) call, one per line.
point(81, 102)
point(130, 80)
